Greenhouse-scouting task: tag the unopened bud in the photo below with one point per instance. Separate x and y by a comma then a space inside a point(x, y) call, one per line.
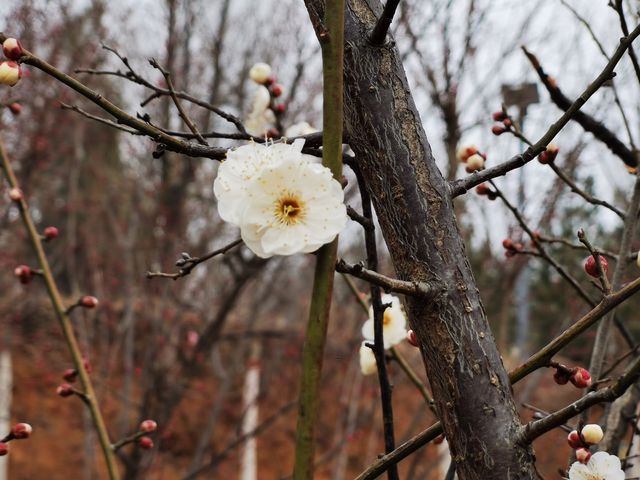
point(50, 233)
point(591, 266)
point(145, 442)
point(4, 449)
point(12, 49)
point(507, 122)
point(592, 433)
point(499, 116)
point(562, 377)
point(24, 273)
point(581, 378)
point(583, 455)
point(276, 90)
point(574, 440)
point(148, 426)
point(483, 189)
point(464, 153)
point(260, 73)
point(21, 431)
point(10, 73)
point(412, 338)
point(475, 162)
point(70, 375)
point(280, 108)
point(15, 108)
point(498, 130)
point(64, 390)
point(88, 302)
point(507, 243)
point(16, 194)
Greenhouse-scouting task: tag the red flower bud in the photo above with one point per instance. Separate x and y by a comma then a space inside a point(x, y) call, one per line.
point(583, 455)
point(276, 90)
point(148, 426)
point(12, 49)
point(591, 267)
point(280, 108)
point(499, 116)
point(483, 189)
point(561, 377)
point(15, 108)
point(270, 80)
point(507, 122)
point(145, 442)
point(50, 233)
point(21, 431)
point(498, 130)
point(581, 378)
point(507, 243)
point(24, 274)
point(64, 390)
point(411, 338)
point(88, 302)
point(574, 440)
point(4, 449)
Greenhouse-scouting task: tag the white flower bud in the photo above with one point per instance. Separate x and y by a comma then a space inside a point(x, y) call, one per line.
point(260, 73)
point(475, 162)
point(368, 364)
point(592, 433)
point(10, 73)
point(12, 49)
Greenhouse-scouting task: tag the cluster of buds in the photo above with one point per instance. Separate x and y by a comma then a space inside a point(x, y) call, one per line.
point(591, 266)
point(10, 70)
point(147, 426)
point(472, 158)
point(20, 431)
point(511, 248)
point(578, 376)
point(549, 154)
point(506, 121)
point(590, 434)
point(261, 74)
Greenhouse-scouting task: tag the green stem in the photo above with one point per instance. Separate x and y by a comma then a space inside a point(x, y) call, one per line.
point(65, 322)
point(332, 43)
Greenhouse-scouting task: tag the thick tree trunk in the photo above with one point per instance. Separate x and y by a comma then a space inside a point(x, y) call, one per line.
point(470, 385)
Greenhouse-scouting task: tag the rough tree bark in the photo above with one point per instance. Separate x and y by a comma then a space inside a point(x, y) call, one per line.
point(470, 385)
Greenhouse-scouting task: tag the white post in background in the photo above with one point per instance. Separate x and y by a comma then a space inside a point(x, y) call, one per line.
point(6, 386)
point(249, 461)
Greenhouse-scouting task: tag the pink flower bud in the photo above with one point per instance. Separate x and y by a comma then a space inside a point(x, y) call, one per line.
point(280, 108)
point(15, 108)
point(88, 302)
point(64, 390)
point(10, 73)
point(581, 378)
point(16, 194)
point(21, 430)
point(145, 442)
point(50, 233)
point(4, 449)
point(411, 338)
point(574, 440)
point(507, 122)
point(483, 189)
point(592, 433)
point(12, 49)
point(24, 274)
point(148, 426)
point(70, 375)
point(583, 455)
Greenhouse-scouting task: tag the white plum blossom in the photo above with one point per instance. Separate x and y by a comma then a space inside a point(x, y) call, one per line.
point(368, 364)
point(261, 118)
point(260, 72)
point(602, 466)
point(394, 323)
point(283, 201)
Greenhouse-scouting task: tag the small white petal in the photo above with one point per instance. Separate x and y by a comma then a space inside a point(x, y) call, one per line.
point(368, 364)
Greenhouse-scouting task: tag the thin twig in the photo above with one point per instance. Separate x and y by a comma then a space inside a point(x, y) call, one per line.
point(379, 33)
point(387, 283)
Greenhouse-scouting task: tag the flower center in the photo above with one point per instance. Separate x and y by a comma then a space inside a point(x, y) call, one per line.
point(387, 317)
point(289, 210)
